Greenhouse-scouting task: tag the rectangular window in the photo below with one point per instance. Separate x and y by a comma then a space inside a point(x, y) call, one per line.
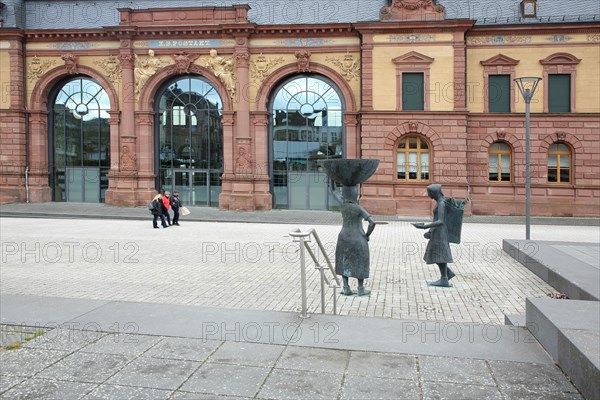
point(559, 93)
point(413, 98)
point(499, 93)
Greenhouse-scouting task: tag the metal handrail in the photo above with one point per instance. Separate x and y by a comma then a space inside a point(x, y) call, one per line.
point(304, 238)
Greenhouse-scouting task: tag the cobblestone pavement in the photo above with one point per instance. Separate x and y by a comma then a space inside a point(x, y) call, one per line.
point(256, 266)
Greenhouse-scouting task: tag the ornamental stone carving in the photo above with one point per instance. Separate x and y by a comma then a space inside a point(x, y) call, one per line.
point(70, 63)
point(183, 61)
point(223, 68)
point(38, 67)
point(402, 10)
point(348, 65)
point(112, 68)
point(242, 58)
point(128, 159)
point(262, 65)
point(303, 57)
point(145, 67)
point(244, 163)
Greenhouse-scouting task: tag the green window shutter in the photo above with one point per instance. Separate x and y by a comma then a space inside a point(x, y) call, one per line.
point(559, 93)
point(413, 92)
point(499, 93)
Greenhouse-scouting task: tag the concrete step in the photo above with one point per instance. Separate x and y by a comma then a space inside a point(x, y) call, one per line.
point(569, 330)
point(428, 338)
point(514, 320)
point(570, 268)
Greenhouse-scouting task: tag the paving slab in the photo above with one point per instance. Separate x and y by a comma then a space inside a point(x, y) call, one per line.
point(194, 322)
point(155, 373)
point(85, 367)
point(480, 341)
point(447, 390)
point(301, 385)
point(226, 380)
point(36, 311)
point(244, 353)
point(28, 362)
point(49, 389)
point(115, 392)
point(370, 387)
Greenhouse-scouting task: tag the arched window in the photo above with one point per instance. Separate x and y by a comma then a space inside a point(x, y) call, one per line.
point(559, 163)
point(500, 163)
point(413, 159)
point(306, 127)
point(80, 137)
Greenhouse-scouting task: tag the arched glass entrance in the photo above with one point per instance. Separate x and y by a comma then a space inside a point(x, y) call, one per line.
point(79, 156)
point(306, 127)
point(189, 141)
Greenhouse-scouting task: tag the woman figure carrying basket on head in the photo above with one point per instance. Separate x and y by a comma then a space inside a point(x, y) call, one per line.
point(445, 228)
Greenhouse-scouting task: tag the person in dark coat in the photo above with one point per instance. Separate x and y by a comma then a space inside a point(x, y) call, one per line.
point(175, 204)
point(157, 212)
point(438, 249)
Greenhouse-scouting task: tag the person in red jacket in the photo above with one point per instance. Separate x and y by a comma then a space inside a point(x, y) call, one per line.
point(166, 204)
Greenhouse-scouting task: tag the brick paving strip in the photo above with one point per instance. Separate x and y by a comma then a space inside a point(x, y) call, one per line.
point(256, 267)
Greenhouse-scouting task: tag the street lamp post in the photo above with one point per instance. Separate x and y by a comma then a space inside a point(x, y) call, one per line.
point(527, 87)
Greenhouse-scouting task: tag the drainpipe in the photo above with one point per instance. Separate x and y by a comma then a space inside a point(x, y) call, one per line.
point(26, 112)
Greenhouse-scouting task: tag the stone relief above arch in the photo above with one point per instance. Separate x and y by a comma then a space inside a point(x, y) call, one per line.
point(402, 10)
point(224, 69)
point(38, 67)
point(70, 63)
point(560, 136)
point(183, 61)
point(303, 57)
point(501, 135)
point(261, 66)
point(112, 67)
point(146, 67)
point(348, 65)
point(412, 128)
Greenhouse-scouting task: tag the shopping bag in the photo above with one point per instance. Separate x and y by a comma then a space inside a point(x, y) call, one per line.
point(184, 211)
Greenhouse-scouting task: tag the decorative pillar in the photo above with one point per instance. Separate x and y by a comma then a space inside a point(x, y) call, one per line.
point(124, 176)
point(145, 146)
point(243, 142)
point(228, 176)
point(12, 128)
point(263, 200)
point(39, 189)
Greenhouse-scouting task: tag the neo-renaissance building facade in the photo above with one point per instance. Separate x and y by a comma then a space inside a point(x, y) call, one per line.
point(235, 105)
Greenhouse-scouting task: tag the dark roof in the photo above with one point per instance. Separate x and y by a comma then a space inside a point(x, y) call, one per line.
point(98, 13)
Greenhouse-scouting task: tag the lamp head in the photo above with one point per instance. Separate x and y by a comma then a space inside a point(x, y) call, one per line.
point(527, 86)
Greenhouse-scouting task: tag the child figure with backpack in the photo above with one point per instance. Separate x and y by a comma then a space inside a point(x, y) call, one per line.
point(444, 229)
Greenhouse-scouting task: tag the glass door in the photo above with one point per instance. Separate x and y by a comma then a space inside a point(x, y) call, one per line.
point(189, 140)
point(306, 128)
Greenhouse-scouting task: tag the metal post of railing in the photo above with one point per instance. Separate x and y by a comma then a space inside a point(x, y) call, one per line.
point(322, 289)
point(301, 237)
point(303, 277)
